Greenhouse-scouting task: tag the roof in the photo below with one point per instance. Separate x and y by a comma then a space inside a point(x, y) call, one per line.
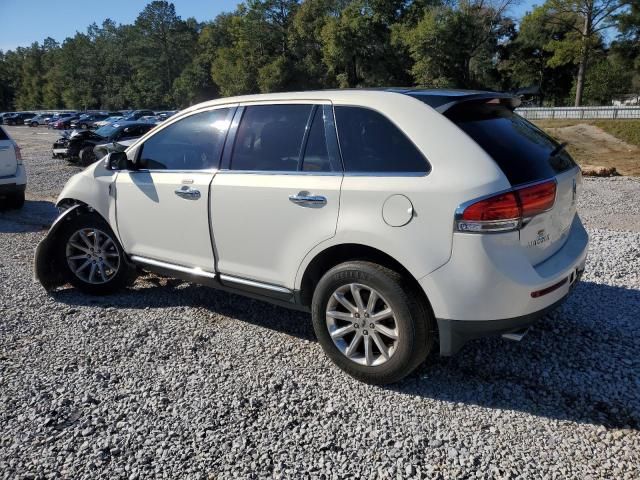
point(439, 99)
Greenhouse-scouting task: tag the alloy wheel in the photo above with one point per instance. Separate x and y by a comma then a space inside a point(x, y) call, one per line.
point(92, 256)
point(362, 324)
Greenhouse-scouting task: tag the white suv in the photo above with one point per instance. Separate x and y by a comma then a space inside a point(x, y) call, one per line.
point(13, 178)
point(397, 218)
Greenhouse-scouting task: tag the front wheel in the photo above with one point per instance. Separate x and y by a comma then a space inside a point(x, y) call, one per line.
point(370, 321)
point(90, 255)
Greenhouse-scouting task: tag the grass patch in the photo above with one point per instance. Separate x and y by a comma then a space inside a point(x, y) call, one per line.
point(626, 130)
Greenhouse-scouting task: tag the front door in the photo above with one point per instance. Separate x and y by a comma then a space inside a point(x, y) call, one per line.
point(278, 197)
point(163, 205)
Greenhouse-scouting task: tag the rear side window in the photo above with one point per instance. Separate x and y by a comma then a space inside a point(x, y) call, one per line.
point(521, 150)
point(193, 143)
point(270, 138)
point(316, 154)
point(3, 135)
point(369, 142)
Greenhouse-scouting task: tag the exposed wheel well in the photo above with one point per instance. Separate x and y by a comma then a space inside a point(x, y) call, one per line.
point(337, 254)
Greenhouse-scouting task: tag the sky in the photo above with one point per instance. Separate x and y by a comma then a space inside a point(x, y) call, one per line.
point(23, 22)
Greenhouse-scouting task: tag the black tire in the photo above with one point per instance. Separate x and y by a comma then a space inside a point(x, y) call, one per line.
point(16, 200)
point(87, 157)
point(415, 323)
point(34, 124)
point(124, 275)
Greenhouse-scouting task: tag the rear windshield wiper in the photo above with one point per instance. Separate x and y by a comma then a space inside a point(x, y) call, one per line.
point(560, 147)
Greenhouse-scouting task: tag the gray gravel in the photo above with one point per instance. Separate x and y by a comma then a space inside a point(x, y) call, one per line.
point(172, 380)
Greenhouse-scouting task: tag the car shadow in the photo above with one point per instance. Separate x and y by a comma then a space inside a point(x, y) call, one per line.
point(579, 363)
point(34, 216)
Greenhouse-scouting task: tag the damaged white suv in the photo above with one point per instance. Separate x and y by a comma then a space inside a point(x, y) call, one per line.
point(398, 218)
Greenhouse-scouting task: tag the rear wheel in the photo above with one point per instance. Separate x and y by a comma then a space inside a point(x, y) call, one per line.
point(371, 322)
point(15, 200)
point(87, 157)
point(90, 256)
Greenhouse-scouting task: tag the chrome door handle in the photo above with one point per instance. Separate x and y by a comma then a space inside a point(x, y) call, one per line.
point(304, 199)
point(188, 193)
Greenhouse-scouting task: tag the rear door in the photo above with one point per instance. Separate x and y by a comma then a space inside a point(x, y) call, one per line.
point(277, 195)
point(526, 155)
point(8, 162)
point(163, 205)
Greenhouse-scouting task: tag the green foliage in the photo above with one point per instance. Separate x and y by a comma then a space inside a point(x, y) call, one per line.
point(164, 61)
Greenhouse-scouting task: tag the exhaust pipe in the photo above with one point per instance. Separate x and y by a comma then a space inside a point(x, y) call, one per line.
point(516, 336)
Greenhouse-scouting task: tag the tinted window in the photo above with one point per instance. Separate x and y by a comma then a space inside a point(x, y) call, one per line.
point(316, 155)
point(193, 143)
point(270, 137)
point(371, 143)
point(520, 149)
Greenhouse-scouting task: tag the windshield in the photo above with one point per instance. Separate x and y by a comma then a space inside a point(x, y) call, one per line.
point(106, 131)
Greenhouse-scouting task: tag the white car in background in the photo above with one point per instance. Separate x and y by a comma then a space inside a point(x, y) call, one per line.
point(13, 177)
point(398, 218)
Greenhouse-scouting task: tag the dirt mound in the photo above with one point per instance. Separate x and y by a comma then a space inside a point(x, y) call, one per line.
point(592, 146)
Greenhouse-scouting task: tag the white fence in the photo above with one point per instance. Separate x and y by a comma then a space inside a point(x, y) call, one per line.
point(578, 113)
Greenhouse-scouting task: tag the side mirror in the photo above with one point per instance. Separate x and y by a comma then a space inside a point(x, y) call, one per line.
point(116, 161)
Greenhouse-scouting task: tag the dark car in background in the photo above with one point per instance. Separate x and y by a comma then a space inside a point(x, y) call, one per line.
point(19, 118)
point(79, 145)
point(88, 121)
point(63, 122)
point(137, 114)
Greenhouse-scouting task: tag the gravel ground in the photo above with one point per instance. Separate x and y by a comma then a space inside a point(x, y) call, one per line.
point(172, 380)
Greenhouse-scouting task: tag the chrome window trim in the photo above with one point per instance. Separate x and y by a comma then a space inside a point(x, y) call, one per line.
point(281, 172)
point(253, 283)
point(162, 170)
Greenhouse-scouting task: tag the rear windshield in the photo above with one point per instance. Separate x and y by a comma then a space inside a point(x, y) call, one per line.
point(521, 150)
point(3, 136)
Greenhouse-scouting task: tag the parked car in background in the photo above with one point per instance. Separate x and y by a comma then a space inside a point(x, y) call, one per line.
point(162, 116)
point(103, 149)
point(5, 114)
point(79, 144)
point(343, 204)
point(13, 177)
point(60, 116)
point(63, 122)
point(108, 121)
point(19, 118)
point(40, 119)
point(88, 121)
point(136, 114)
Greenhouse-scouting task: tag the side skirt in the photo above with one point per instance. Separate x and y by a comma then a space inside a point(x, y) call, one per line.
point(259, 291)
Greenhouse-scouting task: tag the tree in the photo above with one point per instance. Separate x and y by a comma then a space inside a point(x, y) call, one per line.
point(456, 46)
point(587, 19)
point(526, 59)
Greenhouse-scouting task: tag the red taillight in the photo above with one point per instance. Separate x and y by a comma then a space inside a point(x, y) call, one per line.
point(500, 207)
point(537, 198)
point(505, 211)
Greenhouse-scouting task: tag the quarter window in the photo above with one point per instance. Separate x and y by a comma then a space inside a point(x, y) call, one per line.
point(193, 143)
point(270, 138)
point(369, 142)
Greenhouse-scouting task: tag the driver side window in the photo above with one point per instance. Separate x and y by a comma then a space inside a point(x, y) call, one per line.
point(193, 143)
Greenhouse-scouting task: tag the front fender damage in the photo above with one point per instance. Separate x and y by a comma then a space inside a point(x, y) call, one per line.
point(45, 267)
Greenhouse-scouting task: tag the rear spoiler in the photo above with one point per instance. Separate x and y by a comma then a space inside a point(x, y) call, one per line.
point(506, 99)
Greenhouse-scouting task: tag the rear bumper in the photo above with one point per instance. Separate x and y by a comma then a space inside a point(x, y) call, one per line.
point(453, 334)
point(14, 183)
point(10, 188)
point(486, 287)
